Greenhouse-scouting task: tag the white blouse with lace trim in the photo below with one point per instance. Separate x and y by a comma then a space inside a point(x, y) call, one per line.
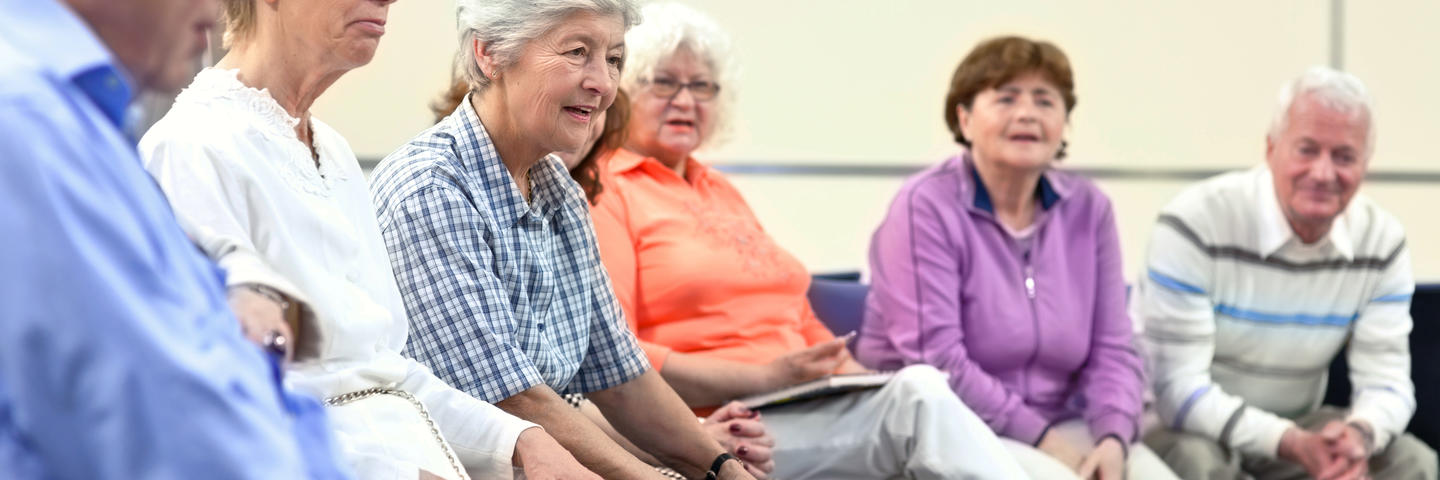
point(228, 159)
point(216, 87)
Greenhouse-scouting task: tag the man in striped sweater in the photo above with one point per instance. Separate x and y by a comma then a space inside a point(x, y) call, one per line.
point(1254, 282)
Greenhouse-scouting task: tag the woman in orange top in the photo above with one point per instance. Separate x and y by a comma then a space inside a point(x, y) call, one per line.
point(720, 309)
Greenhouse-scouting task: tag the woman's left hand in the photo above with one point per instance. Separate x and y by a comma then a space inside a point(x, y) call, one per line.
point(740, 432)
point(1106, 462)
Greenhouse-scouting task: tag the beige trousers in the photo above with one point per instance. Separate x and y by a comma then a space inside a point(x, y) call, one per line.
point(1194, 457)
point(1143, 464)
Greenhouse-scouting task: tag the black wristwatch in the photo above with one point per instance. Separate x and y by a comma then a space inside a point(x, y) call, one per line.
point(714, 472)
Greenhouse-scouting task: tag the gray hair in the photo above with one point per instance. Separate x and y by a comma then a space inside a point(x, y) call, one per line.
point(506, 26)
point(668, 28)
point(1334, 89)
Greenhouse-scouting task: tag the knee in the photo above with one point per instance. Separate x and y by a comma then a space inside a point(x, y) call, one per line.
point(924, 383)
point(1189, 455)
point(1411, 455)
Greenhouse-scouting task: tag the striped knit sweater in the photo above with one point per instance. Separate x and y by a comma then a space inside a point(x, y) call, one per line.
point(1241, 319)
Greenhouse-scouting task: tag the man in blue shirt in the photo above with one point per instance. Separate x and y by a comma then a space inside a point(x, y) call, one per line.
point(119, 357)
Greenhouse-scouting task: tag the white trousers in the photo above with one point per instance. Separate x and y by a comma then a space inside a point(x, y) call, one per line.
point(1143, 464)
point(913, 428)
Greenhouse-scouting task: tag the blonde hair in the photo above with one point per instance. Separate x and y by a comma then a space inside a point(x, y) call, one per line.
point(239, 16)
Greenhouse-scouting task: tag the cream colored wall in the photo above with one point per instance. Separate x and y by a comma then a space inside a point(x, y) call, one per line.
point(1161, 85)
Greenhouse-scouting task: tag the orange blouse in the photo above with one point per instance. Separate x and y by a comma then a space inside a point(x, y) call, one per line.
point(692, 268)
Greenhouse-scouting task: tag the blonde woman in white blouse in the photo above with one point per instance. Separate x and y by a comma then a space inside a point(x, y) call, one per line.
point(279, 199)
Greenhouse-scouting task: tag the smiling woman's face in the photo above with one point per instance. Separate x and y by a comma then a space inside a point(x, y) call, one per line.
point(563, 81)
point(1018, 124)
point(671, 128)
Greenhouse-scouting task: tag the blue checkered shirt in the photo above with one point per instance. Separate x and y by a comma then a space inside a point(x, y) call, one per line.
point(503, 295)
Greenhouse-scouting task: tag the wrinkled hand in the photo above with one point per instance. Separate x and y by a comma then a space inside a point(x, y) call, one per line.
point(1348, 446)
point(1310, 451)
point(740, 431)
point(259, 315)
point(811, 363)
point(542, 458)
point(1106, 462)
point(1056, 447)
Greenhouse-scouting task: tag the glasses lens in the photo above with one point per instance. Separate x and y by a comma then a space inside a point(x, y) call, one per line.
point(664, 87)
point(703, 90)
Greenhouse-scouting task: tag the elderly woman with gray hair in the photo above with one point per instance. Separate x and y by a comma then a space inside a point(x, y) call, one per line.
point(720, 308)
point(282, 201)
point(492, 245)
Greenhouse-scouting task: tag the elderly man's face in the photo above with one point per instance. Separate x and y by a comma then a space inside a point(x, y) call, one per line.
point(1318, 162)
point(158, 41)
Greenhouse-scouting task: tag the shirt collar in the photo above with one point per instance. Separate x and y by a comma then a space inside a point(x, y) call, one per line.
point(509, 206)
point(624, 160)
point(61, 42)
point(1046, 191)
point(1275, 229)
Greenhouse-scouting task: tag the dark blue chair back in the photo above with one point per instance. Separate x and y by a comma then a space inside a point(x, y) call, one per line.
point(1424, 366)
point(839, 303)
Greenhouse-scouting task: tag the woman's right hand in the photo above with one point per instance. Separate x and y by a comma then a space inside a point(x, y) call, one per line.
point(542, 458)
point(1057, 448)
point(740, 432)
point(811, 363)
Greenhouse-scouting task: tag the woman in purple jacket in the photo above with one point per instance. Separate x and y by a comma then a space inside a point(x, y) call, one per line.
point(1006, 274)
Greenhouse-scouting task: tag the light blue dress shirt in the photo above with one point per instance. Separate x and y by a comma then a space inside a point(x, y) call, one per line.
point(118, 355)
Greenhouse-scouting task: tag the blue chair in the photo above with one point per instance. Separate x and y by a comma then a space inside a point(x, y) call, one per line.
point(1424, 366)
point(840, 304)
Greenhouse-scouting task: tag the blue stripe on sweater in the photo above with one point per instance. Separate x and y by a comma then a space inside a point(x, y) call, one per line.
point(1185, 407)
point(1174, 284)
point(1396, 298)
point(1283, 318)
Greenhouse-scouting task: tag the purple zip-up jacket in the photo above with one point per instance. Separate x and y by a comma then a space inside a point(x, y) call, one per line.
point(1027, 342)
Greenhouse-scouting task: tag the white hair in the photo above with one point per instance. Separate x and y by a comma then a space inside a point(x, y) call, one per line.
point(506, 26)
point(1334, 89)
point(668, 28)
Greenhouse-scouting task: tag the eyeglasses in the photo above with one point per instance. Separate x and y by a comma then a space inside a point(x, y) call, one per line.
point(700, 89)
